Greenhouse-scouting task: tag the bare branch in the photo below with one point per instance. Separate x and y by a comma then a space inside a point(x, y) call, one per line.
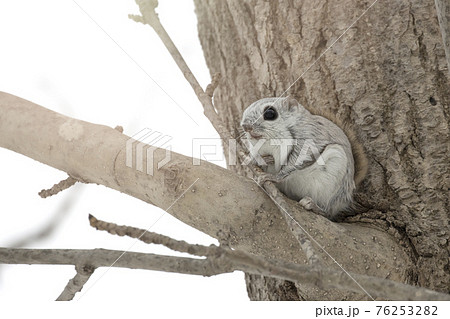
point(76, 283)
point(97, 258)
point(62, 185)
point(149, 237)
point(219, 260)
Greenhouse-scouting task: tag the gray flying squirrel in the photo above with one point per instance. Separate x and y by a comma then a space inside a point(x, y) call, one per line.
point(316, 159)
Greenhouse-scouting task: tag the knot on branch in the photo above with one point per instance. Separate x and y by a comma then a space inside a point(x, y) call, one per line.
point(213, 85)
point(85, 269)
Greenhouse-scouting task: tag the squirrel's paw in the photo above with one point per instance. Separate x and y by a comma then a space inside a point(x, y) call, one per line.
point(308, 203)
point(265, 177)
point(268, 159)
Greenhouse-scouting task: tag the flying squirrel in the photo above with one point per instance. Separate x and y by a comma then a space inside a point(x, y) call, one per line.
point(315, 158)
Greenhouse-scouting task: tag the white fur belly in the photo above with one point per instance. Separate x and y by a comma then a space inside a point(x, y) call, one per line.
point(320, 182)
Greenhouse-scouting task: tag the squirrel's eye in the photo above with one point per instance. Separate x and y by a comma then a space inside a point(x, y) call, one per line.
point(270, 114)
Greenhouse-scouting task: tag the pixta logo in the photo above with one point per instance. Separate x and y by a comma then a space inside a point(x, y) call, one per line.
point(141, 153)
point(211, 150)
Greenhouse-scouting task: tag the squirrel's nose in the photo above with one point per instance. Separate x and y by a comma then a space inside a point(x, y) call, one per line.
point(247, 127)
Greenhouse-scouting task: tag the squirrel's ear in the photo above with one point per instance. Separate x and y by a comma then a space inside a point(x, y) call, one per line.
point(292, 103)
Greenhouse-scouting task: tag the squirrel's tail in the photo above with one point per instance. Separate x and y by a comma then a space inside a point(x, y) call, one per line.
point(353, 209)
point(359, 156)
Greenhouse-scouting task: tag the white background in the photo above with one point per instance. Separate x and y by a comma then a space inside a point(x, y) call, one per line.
point(53, 54)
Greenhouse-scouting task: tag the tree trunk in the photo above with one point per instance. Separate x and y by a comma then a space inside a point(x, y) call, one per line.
point(387, 75)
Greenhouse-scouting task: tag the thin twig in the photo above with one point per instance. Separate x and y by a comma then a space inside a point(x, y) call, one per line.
point(150, 17)
point(62, 185)
point(76, 283)
point(149, 237)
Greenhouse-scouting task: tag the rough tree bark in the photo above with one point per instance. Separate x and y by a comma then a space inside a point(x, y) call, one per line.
point(387, 75)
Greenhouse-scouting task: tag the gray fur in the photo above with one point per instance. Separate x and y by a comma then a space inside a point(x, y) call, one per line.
point(331, 185)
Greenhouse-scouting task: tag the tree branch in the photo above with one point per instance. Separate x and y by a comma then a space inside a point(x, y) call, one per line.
point(219, 260)
point(76, 283)
point(149, 237)
point(96, 258)
point(59, 187)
